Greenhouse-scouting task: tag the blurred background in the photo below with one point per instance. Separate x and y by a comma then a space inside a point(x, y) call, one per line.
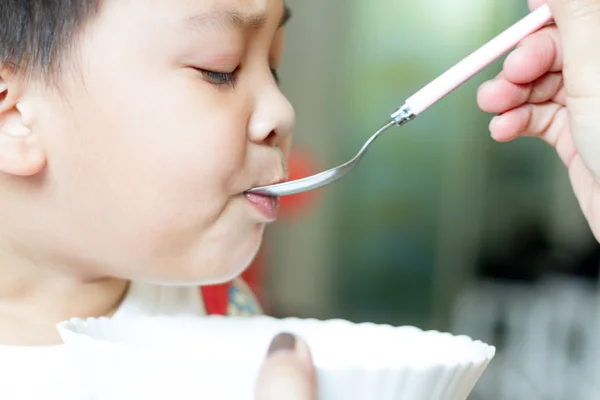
point(439, 226)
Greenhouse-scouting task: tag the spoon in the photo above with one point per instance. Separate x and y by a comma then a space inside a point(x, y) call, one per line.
point(423, 99)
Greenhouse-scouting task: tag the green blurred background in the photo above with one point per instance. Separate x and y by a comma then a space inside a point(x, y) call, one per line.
point(439, 226)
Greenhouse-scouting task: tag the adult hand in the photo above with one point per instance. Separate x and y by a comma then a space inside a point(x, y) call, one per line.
point(550, 88)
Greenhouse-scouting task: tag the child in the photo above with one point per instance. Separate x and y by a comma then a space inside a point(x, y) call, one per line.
point(130, 131)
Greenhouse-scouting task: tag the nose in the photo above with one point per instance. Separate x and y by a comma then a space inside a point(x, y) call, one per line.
point(273, 119)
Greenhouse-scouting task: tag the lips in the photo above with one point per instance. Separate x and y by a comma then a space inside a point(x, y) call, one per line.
point(266, 205)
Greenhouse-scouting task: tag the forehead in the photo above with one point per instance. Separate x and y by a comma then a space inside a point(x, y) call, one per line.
point(193, 13)
point(146, 30)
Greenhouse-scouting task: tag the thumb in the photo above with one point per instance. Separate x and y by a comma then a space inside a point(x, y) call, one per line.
point(578, 22)
point(288, 372)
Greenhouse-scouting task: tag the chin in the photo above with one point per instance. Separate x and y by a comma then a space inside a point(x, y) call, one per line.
point(190, 274)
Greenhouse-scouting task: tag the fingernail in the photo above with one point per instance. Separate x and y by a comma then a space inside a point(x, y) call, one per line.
point(282, 343)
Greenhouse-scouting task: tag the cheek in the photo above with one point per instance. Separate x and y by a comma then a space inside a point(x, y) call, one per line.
point(158, 162)
point(176, 130)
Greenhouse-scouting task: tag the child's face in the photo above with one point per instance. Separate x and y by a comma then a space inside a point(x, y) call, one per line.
point(148, 156)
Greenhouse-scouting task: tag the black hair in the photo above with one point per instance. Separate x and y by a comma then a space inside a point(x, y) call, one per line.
point(36, 34)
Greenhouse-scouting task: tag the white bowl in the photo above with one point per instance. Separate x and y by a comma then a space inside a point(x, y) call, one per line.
point(219, 358)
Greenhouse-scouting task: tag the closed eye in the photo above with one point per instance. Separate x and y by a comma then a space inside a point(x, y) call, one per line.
point(218, 78)
point(227, 78)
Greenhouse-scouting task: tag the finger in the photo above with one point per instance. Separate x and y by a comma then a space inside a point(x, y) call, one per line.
point(498, 96)
point(287, 373)
point(548, 88)
point(527, 120)
point(536, 55)
point(578, 22)
point(547, 121)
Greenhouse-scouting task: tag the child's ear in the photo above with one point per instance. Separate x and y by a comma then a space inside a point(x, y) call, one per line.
point(20, 151)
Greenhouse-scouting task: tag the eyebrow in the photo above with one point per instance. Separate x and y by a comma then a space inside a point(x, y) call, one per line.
point(238, 20)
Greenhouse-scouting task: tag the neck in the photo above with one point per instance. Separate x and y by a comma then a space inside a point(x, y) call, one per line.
point(34, 298)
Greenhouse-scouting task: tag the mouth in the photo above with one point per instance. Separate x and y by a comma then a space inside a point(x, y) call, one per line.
point(268, 206)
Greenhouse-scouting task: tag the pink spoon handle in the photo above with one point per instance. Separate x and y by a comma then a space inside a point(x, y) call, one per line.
point(478, 60)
